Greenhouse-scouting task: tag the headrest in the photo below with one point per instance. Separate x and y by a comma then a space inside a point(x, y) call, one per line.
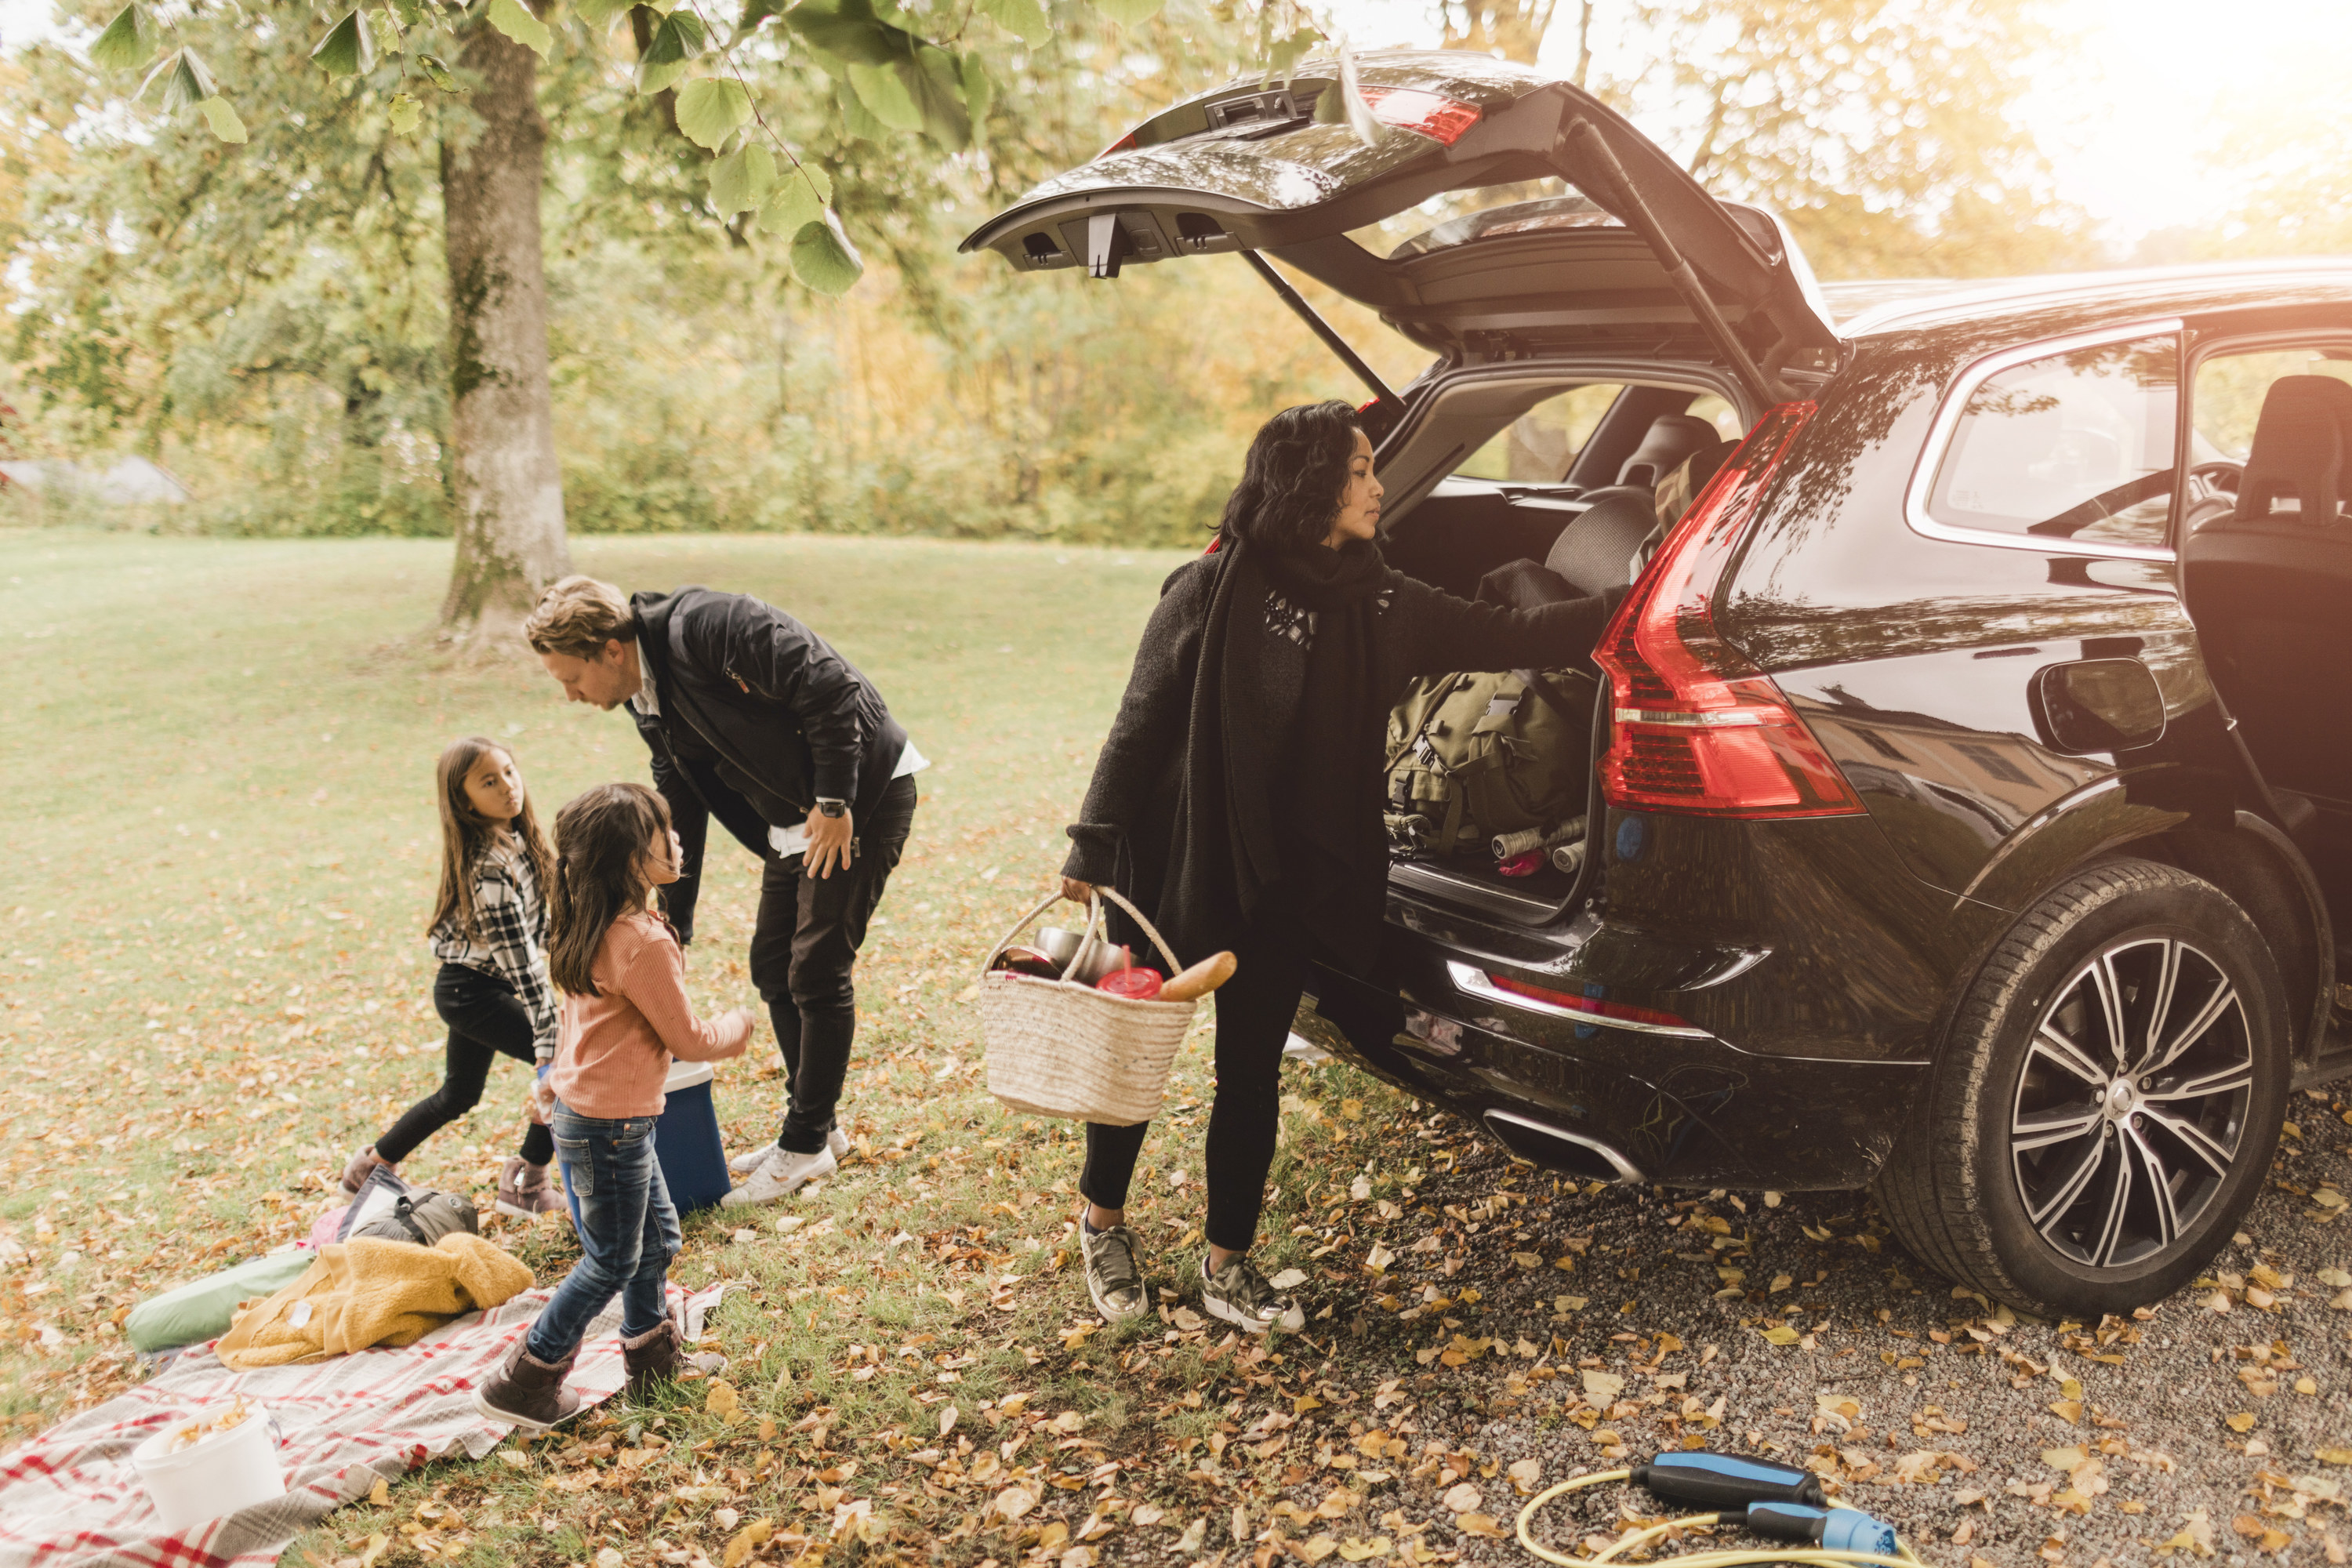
point(1687, 478)
point(2301, 443)
point(1596, 551)
point(1670, 439)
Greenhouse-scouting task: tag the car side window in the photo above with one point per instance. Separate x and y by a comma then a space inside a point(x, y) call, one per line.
point(1539, 446)
point(2076, 445)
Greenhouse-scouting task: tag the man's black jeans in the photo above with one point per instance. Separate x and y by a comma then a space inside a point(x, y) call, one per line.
point(802, 950)
point(486, 1020)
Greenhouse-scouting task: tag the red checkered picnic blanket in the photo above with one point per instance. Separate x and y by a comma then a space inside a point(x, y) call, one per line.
point(71, 1499)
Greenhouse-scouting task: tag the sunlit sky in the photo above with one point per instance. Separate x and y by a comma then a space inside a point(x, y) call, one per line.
point(2126, 115)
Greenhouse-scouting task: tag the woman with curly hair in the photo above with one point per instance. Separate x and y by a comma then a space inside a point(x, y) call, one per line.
point(1237, 799)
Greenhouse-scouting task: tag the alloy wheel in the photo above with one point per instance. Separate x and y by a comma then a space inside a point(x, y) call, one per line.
point(2132, 1101)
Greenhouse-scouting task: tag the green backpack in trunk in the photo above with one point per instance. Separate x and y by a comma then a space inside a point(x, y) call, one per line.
point(1472, 756)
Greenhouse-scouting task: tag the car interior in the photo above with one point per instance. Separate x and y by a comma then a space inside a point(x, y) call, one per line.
point(1541, 472)
point(2266, 582)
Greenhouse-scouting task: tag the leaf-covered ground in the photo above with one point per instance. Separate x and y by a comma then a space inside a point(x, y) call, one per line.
point(213, 990)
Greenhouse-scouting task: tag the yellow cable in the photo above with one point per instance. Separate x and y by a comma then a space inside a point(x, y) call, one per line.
point(1811, 1557)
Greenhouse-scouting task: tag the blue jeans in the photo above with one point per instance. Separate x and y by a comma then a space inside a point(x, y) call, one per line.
point(628, 1232)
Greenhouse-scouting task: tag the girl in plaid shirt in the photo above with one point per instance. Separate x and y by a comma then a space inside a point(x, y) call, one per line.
point(489, 931)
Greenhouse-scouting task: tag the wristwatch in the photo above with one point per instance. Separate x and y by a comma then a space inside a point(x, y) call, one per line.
point(831, 808)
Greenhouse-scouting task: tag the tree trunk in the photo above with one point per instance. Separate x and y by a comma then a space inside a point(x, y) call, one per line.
point(510, 491)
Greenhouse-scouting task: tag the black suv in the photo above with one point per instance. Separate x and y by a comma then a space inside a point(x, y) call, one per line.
point(1975, 788)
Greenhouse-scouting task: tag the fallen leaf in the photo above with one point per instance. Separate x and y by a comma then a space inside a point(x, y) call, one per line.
point(1315, 1548)
point(746, 1540)
point(1525, 1474)
point(1462, 1498)
point(1783, 1335)
point(2243, 1421)
point(720, 1400)
point(1600, 1387)
point(1288, 1280)
point(1477, 1524)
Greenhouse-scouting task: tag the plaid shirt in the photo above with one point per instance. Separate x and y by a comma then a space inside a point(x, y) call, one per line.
point(510, 940)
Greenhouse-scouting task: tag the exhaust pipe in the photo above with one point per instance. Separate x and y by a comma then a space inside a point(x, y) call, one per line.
point(1557, 1148)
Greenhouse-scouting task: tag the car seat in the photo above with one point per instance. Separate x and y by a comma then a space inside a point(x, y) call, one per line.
point(1671, 438)
point(2268, 588)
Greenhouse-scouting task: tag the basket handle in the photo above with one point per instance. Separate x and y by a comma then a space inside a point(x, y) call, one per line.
point(1093, 923)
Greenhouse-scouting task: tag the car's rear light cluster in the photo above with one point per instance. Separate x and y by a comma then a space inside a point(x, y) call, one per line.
point(1433, 115)
point(1697, 728)
point(1476, 981)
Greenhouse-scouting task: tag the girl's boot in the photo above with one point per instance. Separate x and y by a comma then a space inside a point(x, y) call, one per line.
point(363, 1165)
point(529, 1392)
point(524, 1191)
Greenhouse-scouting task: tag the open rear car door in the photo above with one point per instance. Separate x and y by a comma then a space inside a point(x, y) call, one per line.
point(1644, 252)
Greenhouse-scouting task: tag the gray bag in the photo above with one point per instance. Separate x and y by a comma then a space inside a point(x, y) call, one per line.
point(423, 1217)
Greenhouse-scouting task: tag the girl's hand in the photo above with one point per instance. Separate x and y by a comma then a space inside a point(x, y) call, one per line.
point(1077, 892)
point(750, 1021)
point(542, 1102)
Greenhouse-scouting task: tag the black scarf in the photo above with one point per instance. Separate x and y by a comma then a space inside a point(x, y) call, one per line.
point(1300, 810)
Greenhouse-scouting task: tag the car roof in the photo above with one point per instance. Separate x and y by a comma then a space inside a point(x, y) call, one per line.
point(1886, 307)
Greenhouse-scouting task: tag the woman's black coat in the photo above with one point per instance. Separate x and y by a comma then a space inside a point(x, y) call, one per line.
point(1125, 830)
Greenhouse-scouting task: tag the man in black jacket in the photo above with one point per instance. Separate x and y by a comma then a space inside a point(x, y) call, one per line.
point(753, 718)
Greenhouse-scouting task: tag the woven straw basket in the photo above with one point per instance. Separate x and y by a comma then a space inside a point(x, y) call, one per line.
point(1057, 1048)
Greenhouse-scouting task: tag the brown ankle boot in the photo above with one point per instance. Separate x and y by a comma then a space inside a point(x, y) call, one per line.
point(363, 1165)
point(524, 1191)
point(652, 1357)
point(528, 1392)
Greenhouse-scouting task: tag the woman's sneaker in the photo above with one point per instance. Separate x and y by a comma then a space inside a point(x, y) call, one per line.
point(1113, 1280)
point(751, 1160)
point(1241, 1295)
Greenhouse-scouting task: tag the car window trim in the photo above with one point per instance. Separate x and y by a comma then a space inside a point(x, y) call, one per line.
point(1955, 407)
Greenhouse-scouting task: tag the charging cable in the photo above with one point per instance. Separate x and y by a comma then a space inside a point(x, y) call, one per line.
point(1778, 1501)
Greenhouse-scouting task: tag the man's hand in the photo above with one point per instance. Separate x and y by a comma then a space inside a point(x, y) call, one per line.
point(1077, 892)
point(828, 842)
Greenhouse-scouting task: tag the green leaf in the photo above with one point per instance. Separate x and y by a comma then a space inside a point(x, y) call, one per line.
point(739, 180)
point(510, 17)
point(678, 39)
point(854, 117)
point(979, 91)
point(185, 80)
point(129, 40)
point(438, 72)
point(405, 114)
point(600, 14)
point(347, 50)
point(850, 32)
point(1129, 12)
point(1283, 54)
point(796, 202)
point(884, 91)
point(936, 83)
point(756, 12)
point(712, 109)
point(1024, 19)
point(223, 118)
point(388, 39)
point(823, 259)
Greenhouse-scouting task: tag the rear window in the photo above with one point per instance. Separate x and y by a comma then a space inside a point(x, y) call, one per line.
point(1539, 446)
point(2076, 445)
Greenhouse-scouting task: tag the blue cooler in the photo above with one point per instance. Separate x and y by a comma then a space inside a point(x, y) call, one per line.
point(686, 1142)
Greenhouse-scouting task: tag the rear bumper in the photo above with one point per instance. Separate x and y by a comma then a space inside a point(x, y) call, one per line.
point(1606, 1103)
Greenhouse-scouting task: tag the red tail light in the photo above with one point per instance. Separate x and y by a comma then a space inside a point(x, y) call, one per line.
point(1697, 729)
point(1442, 119)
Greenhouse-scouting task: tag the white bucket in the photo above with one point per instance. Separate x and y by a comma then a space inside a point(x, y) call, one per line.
point(214, 1476)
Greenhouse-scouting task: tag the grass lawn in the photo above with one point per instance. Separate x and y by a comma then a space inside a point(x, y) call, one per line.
point(213, 987)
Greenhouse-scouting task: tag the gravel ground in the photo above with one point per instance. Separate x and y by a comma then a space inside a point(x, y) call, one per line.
point(2213, 1425)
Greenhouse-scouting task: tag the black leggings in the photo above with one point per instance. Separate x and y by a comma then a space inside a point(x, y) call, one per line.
point(486, 1020)
point(1254, 1009)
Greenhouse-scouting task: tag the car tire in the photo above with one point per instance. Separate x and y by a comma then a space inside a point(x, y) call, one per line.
point(2045, 1174)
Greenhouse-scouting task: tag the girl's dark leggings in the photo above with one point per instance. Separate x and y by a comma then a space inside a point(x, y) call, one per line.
point(486, 1020)
point(1254, 1009)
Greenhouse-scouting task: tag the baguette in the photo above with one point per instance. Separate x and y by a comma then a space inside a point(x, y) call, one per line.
point(1199, 980)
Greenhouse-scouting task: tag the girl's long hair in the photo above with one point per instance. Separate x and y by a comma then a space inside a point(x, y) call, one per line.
point(601, 839)
point(467, 836)
point(1294, 478)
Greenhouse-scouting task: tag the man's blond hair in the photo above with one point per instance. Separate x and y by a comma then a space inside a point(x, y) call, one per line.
point(578, 615)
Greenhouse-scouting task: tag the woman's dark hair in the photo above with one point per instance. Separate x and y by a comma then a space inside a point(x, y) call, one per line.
point(467, 836)
point(601, 839)
point(1294, 478)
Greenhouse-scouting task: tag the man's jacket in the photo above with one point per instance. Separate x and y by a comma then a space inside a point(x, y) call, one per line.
point(760, 718)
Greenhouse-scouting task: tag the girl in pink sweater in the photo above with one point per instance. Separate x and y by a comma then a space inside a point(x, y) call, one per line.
point(625, 1015)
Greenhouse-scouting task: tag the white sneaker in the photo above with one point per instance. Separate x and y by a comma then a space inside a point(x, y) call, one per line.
point(751, 1160)
point(783, 1173)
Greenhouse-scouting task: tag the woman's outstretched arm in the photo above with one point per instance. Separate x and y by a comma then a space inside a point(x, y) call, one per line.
point(1446, 633)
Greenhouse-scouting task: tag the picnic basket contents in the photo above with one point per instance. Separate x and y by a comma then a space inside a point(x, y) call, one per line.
point(1087, 1047)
